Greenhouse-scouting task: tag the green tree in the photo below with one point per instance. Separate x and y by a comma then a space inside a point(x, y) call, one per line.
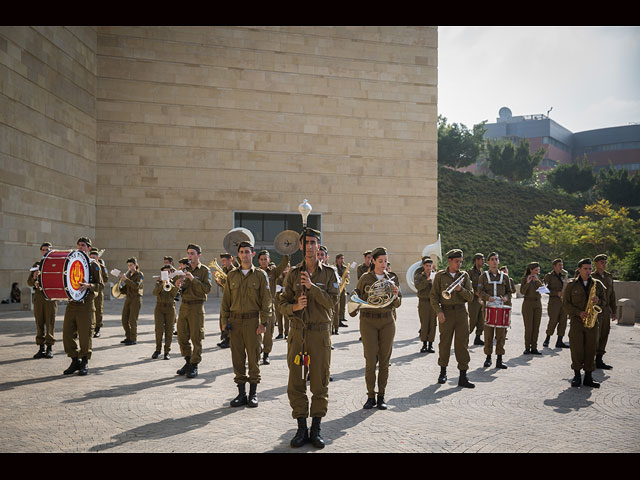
point(573, 177)
point(514, 162)
point(619, 187)
point(457, 145)
point(607, 230)
point(630, 266)
point(553, 235)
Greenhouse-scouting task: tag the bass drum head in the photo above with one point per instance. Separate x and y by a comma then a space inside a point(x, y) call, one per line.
point(76, 272)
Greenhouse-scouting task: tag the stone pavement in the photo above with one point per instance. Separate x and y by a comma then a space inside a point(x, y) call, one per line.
point(131, 403)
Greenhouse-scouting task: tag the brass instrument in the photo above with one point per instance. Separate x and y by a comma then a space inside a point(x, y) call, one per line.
point(447, 293)
point(115, 290)
point(344, 280)
point(219, 274)
point(592, 309)
point(379, 295)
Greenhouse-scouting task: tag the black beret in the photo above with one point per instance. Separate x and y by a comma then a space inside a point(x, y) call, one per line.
point(263, 252)
point(245, 243)
point(195, 247)
point(455, 253)
point(367, 252)
point(557, 260)
point(478, 255)
point(426, 260)
point(310, 232)
point(378, 251)
point(584, 261)
point(323, 248)
point(225, 255)
point(84, 240)
point(493, 254)
point(599, 257)
point(46, 244)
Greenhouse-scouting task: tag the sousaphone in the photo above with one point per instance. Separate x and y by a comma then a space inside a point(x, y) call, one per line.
point(234, 237)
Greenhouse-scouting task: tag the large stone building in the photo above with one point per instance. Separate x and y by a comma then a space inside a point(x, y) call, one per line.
point(148, 138)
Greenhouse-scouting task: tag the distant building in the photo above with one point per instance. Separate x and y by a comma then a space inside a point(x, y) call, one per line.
point(619, 146)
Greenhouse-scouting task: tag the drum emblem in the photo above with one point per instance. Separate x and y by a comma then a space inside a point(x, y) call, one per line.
point(76, 275)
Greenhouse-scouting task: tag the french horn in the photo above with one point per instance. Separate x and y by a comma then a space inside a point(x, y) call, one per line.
point(379, 295)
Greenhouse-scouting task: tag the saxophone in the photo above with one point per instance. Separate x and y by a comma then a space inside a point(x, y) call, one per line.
point(592, 309)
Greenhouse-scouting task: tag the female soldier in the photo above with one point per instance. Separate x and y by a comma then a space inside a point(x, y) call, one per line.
point(377, 328)
point(164, 315)
point(531, 307)
point(132, 287)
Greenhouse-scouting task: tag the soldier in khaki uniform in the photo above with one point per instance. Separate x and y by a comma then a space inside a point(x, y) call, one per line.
point(132, 284)
point(476, 310)
point(377, 330)
point(338, 316)
point(44, 310)
point(494, 286)
point(99, 300)
point(531, 307)
point(281, 320)
point(428, 323)
point(555, 280)
point(273, 273)
point(608, 305)
point(309, 295)
point(246, 312)
point(193, 287)
point(452, 316)
point(79, 317)
point(164, 315)
point(365, 265)
point(583, 341)
point(227, 264)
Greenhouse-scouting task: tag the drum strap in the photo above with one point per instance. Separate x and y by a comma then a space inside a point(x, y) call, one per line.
point(495, 283)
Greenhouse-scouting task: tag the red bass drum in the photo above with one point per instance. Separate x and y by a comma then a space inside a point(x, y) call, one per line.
point(62, 272)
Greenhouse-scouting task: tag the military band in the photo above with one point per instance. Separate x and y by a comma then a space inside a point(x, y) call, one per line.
point(556, 280)
point(44, 310)
point(132, 286)
point(164, 313)
point(428, 322)
point(476, 311)
point(531, 307)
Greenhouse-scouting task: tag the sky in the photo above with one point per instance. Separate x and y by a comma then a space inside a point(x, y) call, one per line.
point(588, 76)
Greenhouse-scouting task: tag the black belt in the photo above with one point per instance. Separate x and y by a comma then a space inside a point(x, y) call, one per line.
point(244, 316)
point(385, 314)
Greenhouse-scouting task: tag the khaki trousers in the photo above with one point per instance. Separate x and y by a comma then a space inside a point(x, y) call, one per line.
point(267, 336)
point(428, 320)
point(456, 324)
point(557, 317)
point(532, 315)
point(245, 349)
point(99, 304)
point(377, 342)
point(164, 317)
point(44, 312)
point(317, 344)
point(76, 328)
point(476, 316)
point(130, 311)
point(583, 343)
point(500, 335)
point(604, 322)
point(191, 330)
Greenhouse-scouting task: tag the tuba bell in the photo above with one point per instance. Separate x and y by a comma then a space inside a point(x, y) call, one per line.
point(431, 249)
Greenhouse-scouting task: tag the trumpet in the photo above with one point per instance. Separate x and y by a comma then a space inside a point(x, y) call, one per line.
point(219, 274)
point(447, 293)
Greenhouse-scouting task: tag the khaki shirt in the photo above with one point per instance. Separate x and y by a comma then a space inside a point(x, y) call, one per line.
point(610, 295)
point(362, 269)
point(441, 282)
point(422, 283)
point(474, 275)
point(486, 288)
point(530, 289)
point(31, 282)
point(164, 296)
point(321, 297)
point(274, 273)
point(576, 297)
point(369, 279)
point(555, 283)
point(199, 287)
point(132, 284)
point(103, 273)
point(246, 294)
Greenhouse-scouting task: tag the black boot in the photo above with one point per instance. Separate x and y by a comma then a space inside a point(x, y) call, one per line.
point(241, 399)
point(40, 353)
point(546, 341)
point(600, 363)
point(184, 368)
point(75, 365)
point(302, 434)
point(253, 396)
point(534, 351)
point(83, 368)
point(192, 370)
point(589, 382)
point(265, 359)
point(314, 435)
point(443, 375)
point(370, 403)
point(463, 381)
point(49, 352)
point(380, 403)
point(487, 362)
point(478, 341)
point(430, 348)
point(499, 363)
point(577, 379)
point(424, 347)
point(96, 334)
point(560, 343)
point(224, 343)
point(156, 354)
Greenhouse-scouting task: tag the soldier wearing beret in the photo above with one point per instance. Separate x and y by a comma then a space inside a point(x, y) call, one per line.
point(44, 310)
point(194, 287)
point(608, 305)
point(476, 310)
point(452, 316)
point(377, 330)
point(338, 317)
point(556, 280)
point(79, 317)
point(246, 311)
point(94, 254)
point(227, 264)
point(132, 285)
point(164, 314)
point(428, 322)
point(583, 341)
point(273, 272)
point(365, 265)
point(308, 297)
point(531, 307)
point(183, 265)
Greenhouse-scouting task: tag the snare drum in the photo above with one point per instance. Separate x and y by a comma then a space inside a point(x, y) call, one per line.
point(62, 272)
point(498, 316)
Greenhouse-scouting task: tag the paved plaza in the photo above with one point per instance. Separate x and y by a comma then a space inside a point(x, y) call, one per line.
point(131, 403)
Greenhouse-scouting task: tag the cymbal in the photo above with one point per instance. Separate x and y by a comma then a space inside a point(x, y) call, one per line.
point(286, 242)
point(233, 238)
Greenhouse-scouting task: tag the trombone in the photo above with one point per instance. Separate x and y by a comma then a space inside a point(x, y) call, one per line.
point(447, 293)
